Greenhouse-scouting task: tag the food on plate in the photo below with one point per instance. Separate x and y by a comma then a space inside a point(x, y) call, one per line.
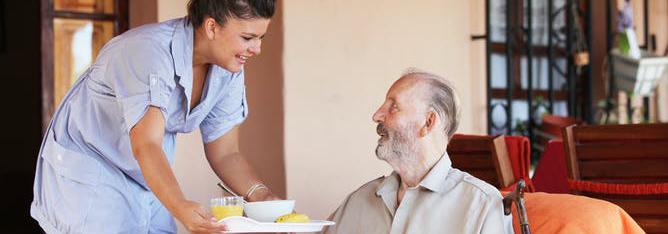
point(293, 218)
point(221, 212)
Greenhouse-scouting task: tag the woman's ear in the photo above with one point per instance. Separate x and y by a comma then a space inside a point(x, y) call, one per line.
point(209, 27)
point(429, 123)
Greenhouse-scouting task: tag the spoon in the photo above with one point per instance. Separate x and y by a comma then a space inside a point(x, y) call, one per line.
point(227, 189)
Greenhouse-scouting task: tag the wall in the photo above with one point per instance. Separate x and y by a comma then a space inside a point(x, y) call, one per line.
point(143, 12)
point(340, 58)
point(262, 135)
point(478, 70)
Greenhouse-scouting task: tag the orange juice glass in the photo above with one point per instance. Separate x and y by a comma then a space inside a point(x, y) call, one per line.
point(223, 207)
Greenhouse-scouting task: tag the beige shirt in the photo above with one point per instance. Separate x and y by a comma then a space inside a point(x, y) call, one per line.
point(447, 200)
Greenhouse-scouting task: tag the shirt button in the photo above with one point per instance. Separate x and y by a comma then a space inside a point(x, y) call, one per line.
point(59, 157)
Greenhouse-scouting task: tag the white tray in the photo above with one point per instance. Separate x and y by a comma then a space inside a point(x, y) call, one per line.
point(238, 224)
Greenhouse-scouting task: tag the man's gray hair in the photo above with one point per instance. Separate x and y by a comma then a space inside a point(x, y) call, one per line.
point(441, 97)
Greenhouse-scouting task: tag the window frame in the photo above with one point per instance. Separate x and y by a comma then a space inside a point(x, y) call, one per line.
point(120, 19)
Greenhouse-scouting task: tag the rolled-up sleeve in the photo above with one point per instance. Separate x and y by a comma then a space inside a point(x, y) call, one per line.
point(142, 76)
point(229, 111)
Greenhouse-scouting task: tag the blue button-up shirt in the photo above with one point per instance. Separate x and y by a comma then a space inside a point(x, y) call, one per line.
point(87, 142)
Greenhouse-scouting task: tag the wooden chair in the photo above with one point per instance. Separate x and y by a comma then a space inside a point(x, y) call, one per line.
point(550, 129)
point(553, 124)
point(624, 164)
point(485, 157)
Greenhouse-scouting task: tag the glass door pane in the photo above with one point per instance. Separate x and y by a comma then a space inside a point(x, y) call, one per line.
point(76, 44)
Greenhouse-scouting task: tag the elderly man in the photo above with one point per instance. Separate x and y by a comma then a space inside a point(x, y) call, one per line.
point(424, 194)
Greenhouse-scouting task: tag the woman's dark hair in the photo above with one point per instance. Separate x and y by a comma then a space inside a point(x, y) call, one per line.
point(221, 10)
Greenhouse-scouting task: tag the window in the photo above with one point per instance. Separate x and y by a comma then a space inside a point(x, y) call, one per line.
point(531, 71)
point(73, 32)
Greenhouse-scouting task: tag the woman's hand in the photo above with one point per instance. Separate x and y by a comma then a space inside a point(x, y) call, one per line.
point(146, 138)
point(196, 218)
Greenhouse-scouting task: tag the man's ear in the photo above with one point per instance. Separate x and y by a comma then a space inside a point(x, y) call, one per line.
point(429, 123)
point(209, 27)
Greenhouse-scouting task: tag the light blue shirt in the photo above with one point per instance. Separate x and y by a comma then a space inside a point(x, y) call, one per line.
point(86, 163)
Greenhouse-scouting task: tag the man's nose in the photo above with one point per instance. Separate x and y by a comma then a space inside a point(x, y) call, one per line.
point(379, 116)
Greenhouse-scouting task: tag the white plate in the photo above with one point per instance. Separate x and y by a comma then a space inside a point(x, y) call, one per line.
point(238, 224)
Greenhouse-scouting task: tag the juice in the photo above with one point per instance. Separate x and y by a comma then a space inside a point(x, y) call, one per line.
point(221, 212)
point(223, 207)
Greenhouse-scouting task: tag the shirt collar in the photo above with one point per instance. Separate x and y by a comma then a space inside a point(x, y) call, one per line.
point(389, 185)
point(182, 52)
point(435, 180)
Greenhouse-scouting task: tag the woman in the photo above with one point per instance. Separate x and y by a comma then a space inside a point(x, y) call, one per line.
point(104, 164)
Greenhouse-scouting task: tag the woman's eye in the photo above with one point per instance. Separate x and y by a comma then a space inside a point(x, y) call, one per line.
point(247, 38)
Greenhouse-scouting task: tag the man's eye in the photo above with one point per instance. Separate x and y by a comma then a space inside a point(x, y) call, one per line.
point(247, 38)
point(394, 108)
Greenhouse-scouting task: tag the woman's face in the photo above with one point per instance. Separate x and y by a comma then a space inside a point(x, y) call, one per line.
point(232, 44)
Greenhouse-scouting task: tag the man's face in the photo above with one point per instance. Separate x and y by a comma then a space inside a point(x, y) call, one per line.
point(399, 119)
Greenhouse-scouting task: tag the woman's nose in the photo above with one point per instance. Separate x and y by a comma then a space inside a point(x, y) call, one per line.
point(256, 49)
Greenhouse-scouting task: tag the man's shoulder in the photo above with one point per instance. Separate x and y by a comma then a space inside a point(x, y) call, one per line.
point(362, 195)
point(369, 187)
point(473, 183)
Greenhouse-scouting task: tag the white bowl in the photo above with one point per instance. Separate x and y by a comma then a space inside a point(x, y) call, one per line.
point(268, 211)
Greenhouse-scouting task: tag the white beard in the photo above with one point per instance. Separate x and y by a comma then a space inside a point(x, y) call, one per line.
point(398, 146)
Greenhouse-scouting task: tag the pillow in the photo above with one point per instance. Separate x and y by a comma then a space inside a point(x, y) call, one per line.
point(572, 214)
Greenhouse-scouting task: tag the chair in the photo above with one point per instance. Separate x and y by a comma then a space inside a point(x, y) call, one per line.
point(550, 174)
point(624, 164)
point(552, 125)
point(550, 129)
point(519, 152)
point(485, 157)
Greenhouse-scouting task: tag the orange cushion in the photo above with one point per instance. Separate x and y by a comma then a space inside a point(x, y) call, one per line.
point(572, 214)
